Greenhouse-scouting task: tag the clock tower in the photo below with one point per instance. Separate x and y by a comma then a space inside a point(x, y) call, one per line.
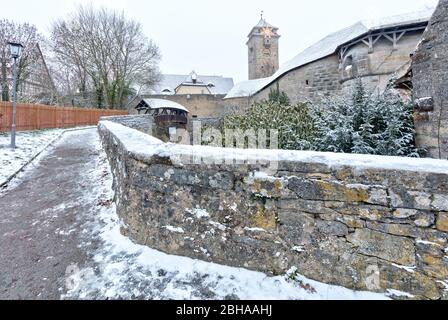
point(263, 50)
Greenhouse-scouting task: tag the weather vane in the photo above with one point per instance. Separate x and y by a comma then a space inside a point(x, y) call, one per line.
point(262, 13)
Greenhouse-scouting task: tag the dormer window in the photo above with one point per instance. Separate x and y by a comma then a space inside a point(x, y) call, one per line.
point(194, 77)
point(211, 85)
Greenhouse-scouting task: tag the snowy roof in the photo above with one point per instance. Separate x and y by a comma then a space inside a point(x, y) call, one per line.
point(329, 46)
point(262, 24)
point(169, 83)
point(163, 104)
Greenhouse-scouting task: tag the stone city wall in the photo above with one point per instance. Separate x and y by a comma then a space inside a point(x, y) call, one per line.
point(362, 222)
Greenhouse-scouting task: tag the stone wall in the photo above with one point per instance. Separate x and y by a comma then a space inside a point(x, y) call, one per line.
point(430, 79)
point(363, 222)
point(143, 123)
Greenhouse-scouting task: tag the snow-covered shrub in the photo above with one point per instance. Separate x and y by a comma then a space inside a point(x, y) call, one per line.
point(363, 123)
point(366, 123)
point(294, 123)
point(275, 95)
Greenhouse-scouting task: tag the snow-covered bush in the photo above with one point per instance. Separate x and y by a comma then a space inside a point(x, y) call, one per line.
point(275, 95)
point(366, 123)
point(294, 123)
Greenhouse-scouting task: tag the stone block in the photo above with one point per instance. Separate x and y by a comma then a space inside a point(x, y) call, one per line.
point(442, 221)
point(332, 228)
point(424, 219)
point(388, 247)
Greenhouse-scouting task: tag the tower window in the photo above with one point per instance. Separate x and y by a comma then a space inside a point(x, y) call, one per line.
point(267, 42)
point(307, 82)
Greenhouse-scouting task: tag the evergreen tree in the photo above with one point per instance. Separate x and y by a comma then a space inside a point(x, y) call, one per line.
point(280, 97)
point(364, 123)
point(368, 123)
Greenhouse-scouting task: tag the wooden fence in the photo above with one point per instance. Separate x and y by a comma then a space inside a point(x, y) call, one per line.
point(34, 116)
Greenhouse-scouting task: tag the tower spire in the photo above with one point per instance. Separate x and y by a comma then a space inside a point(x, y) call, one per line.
point(262, 13)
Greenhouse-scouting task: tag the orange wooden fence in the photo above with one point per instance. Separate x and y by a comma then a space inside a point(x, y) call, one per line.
point(34, 116)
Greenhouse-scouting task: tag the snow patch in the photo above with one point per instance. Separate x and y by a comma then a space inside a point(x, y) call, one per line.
point(198, 213)
point(408, 269)
point(254, 229)
point(218, 225)
point(174, 229)
point(29, 143)
point(428, 243)
point(397, 293)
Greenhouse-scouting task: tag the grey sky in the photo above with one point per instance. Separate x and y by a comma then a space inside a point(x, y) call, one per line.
point(209, 36)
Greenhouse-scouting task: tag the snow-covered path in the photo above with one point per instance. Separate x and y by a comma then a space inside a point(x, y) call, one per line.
point(59, 238)
point(29, 144)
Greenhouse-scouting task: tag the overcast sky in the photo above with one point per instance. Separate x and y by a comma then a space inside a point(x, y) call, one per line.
point(209, 36)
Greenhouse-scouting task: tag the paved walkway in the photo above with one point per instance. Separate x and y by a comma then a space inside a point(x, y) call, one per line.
point(40, 227)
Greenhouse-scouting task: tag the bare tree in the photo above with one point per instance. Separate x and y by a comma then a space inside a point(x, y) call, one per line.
point(28, 36)
point(105, 54)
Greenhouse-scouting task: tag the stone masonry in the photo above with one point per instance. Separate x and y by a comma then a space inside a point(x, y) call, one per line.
point(362, 222)
point(430, 79)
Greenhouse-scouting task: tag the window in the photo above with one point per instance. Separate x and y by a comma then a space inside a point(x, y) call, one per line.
point(307, 82)
point(267, 42)
point(350, 69)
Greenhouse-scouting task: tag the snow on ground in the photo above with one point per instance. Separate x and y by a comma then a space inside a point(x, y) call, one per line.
point(121, 269)
point(28, 143)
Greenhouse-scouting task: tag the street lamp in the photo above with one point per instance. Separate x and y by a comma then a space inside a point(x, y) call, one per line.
point(16, 51)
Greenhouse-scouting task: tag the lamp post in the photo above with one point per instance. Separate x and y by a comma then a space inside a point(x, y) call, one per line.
point(16, 50)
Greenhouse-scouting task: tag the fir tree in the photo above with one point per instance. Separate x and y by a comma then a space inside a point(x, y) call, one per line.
point(280, 97)
point(368, 123)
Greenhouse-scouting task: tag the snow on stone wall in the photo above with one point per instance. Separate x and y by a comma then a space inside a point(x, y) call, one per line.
point(363, 222)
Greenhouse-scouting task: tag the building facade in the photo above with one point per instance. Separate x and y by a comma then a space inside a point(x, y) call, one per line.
point(201, 95)
point(371, 50)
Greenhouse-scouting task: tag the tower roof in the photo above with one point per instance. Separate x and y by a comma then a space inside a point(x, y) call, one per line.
point(262, 24)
